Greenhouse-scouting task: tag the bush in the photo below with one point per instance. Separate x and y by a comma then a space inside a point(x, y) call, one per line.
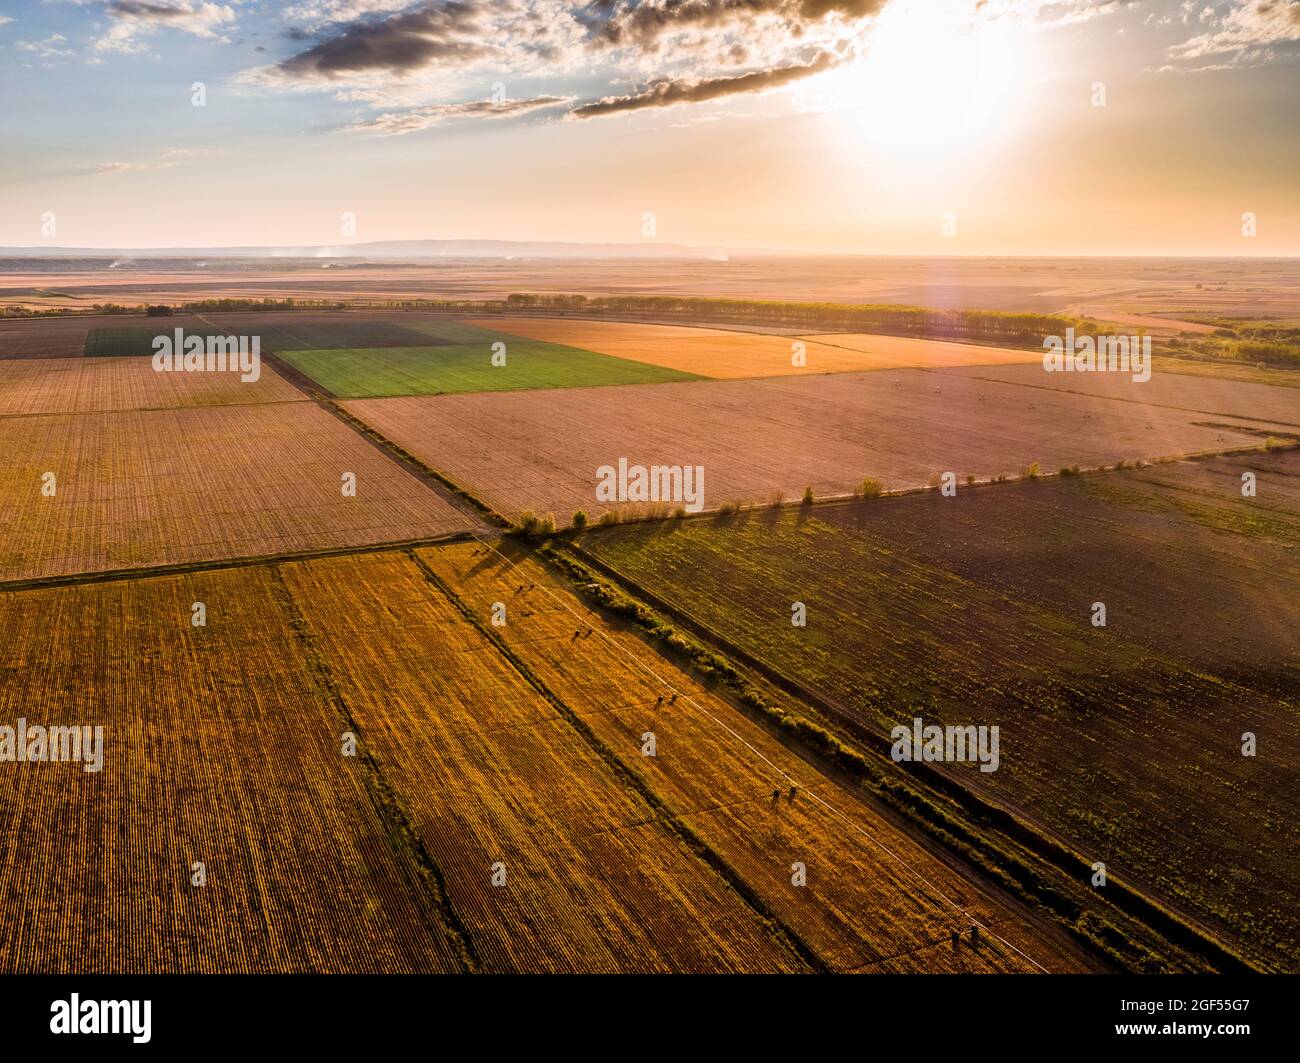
point(870, 488)
point(531, 526)
point(606, 519)
point(1030, 471)
point(807, 496)
point(579, 519)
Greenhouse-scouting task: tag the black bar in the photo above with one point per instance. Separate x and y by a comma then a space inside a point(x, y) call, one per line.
point(489, 1015)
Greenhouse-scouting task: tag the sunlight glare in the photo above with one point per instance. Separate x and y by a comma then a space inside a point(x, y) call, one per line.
point(924, 82)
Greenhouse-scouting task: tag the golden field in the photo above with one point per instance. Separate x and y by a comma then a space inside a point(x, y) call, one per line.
point(726, 355)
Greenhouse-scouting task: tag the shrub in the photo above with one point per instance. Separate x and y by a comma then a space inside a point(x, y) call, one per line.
point(870, 488)
point(1030, 471)
point(531, 526)
point(607, 518)
point(807, 496)
point(970, 479)
point(579, 519)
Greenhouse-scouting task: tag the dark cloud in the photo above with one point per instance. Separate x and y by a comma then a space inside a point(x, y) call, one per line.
point(624, 23)
point(143, 10)
point(443, 32)
point(668, 92)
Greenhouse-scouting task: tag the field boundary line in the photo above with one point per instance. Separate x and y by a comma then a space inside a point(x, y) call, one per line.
point(181, 568)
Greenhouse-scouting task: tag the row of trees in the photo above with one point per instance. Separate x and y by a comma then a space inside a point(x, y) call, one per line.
point(991, 326)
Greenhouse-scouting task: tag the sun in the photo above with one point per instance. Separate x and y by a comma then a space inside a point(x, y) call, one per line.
point(923, 81)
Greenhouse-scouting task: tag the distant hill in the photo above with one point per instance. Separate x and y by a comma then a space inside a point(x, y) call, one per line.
point(393, 250)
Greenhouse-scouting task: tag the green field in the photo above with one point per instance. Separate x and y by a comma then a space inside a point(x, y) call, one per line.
point(383, 372)
point(1125, 741)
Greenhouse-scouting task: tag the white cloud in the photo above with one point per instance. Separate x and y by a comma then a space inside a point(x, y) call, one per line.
point(52, 47)
point(1249, 24)
point(163, 161)
point(397, 123)
point(137, 19)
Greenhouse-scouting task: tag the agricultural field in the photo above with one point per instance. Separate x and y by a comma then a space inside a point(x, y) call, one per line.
point(873, 896)
point(41, 338)
point(1124, 741)
point(762, 439)
point(902, 352)
point(151, 487)
point(102, 385)
point(1163, 288)
point(729, 355)
point(471, 762)
point(1237, 399)
point(276, 332)
point(491, 773)
point(463, 368)
point(218, 747)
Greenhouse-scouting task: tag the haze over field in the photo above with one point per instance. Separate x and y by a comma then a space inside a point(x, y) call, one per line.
point(878, 126)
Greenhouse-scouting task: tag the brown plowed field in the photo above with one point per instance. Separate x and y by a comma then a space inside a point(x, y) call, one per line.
point(754, 438)
point(56, 337)
point(167, 486)
point(218, 748)
point(101, 385)
point(1196, 394)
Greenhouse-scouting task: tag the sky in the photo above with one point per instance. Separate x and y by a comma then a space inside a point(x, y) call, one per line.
point(1004, 127)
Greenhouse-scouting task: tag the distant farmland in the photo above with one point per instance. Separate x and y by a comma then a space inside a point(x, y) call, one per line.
point(1125, 741)
point(274, 331)
point(758, 439)
point(725, 355)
